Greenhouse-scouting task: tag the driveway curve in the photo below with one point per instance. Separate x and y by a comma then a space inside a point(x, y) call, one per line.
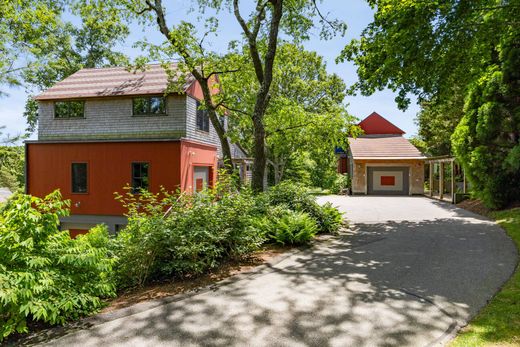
point(409, 273)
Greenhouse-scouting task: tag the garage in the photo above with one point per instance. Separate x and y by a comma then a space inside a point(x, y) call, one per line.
point(388, 180)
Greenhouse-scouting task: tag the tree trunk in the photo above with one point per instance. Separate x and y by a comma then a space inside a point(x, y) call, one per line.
point(262, 99)
point(157, 7)
point(219, 128)
point(259, 153)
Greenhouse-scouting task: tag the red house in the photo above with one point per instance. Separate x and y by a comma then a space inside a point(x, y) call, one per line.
point(102, 129)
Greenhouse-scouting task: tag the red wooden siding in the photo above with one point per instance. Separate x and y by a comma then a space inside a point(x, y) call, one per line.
point(75, 232)
point(376, 124)
point(109, 169)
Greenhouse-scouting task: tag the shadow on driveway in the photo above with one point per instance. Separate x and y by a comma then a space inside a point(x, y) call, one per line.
point(401, 283)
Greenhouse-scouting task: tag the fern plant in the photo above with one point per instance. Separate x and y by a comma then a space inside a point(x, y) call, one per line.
point(294, 228)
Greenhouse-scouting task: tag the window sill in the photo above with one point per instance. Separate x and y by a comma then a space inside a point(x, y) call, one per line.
point(150, 115)
point(69, 118)
point(202, 131)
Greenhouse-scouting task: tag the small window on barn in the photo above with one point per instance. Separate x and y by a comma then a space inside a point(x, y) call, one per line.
point(149, 106)
point(69, 109)
point(140, 180)
point(202, 118)
point(79, 178)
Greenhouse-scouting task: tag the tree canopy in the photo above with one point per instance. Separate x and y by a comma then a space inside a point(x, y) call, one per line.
point(305, 114)
point(260, 24)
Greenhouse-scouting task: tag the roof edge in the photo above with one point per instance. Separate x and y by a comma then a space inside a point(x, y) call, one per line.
point(389, 158)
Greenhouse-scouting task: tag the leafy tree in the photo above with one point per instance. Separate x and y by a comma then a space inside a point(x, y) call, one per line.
point(305, 115)
point(437, 121)
point(12, 167)
point(27, 28)
point(452, 53)
point(88, 44)
point(262, 25)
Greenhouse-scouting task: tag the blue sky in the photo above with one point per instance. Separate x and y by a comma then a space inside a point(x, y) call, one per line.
point(356, 13)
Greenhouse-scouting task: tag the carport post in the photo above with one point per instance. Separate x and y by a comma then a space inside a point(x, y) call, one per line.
point(441, 180)
point(452, 181)
point(431, 178)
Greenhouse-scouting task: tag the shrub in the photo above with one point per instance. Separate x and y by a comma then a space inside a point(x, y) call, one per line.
point(331, 219)
point(341, 183)
point(184, 234)
point(44, 274)
point(299, 199)
point(290, 227)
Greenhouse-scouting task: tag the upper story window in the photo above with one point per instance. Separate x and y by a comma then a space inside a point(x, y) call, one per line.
point(140, 179)
point(69, 109)
point(202, 118)
point(79, 178)
point(149, 106)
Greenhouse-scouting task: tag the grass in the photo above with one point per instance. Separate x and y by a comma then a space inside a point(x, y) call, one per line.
point(498, 324)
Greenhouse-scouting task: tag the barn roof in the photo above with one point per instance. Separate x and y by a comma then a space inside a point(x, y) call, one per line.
point(113, 81)
point(383, 147)
point(377, 124)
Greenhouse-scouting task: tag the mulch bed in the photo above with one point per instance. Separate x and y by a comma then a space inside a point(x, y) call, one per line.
point(475, 206)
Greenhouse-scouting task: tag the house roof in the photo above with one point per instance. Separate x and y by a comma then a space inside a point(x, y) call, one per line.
point(113, 81)
point(377, 124)
point(383, 147)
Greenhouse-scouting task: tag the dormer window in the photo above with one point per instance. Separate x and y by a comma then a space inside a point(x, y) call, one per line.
point(149, 106)
point(69, 109)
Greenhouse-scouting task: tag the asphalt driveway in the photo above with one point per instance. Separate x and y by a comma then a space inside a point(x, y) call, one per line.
point(410, 273)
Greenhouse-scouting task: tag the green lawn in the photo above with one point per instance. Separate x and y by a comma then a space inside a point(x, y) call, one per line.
point(498, 324)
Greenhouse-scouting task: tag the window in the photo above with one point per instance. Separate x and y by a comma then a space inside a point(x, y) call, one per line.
point(202, 118)
point(140, 179)
point(79, 178)
point(69, 109)
point(148, 106)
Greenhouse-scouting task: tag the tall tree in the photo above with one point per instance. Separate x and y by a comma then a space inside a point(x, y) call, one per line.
point(461, 58)
point(263, 23)
point(305, 114)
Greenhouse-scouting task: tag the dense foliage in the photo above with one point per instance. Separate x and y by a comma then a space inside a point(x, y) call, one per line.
point(44, 274)
point(12, 167)
point(305, 120)
point(196, 233)
point(471, 83)
point(177, 235)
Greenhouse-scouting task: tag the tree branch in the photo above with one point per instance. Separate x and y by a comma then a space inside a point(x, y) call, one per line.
point(252, 36)
point(233, 109)
point(323, 18)
point(242, 149)
point(281, 130)
point(221, 72)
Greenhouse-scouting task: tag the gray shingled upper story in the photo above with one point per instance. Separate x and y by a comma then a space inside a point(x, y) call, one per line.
point(107, 95)
point(111, 118)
